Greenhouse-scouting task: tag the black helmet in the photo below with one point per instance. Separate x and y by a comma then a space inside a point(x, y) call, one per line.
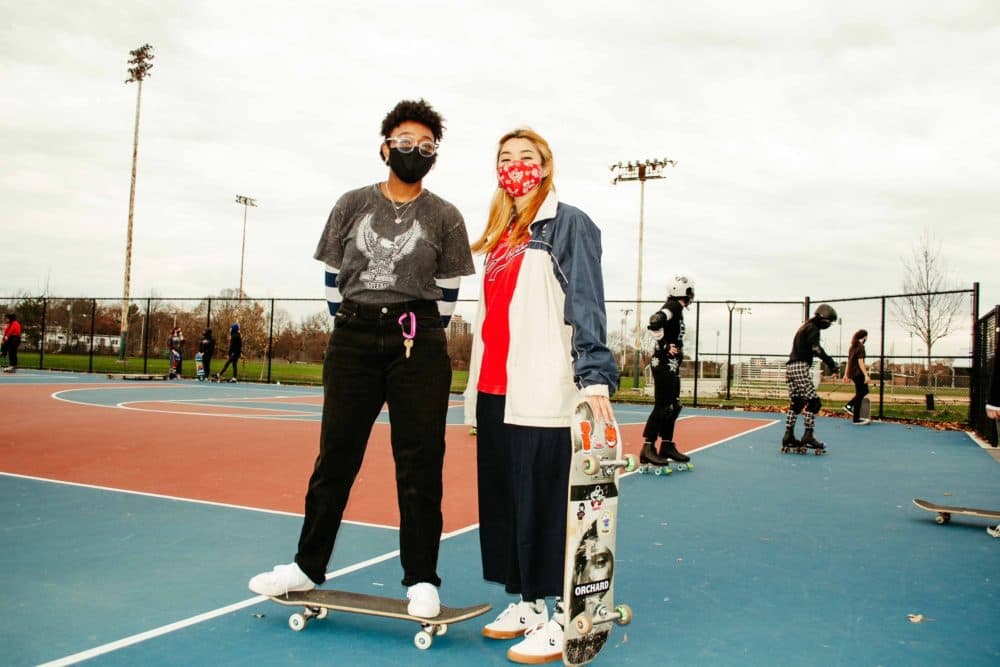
point(826, 312)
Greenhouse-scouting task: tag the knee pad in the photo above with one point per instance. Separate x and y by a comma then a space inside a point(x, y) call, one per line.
point(798, 403)
point(814, 404)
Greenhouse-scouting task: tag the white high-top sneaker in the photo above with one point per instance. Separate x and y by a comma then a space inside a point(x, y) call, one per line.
point(542, 643)
point(516, 619)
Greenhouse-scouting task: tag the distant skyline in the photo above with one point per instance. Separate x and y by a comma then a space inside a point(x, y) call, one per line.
point(815, 142)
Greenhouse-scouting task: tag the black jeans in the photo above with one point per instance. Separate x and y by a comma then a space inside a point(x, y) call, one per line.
point(13, 342)
point(365, 368)
point(231, 359)
point(666, 407)
point(860, 391)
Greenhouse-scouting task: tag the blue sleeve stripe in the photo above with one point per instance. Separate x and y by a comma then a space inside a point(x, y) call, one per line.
point(333, 297)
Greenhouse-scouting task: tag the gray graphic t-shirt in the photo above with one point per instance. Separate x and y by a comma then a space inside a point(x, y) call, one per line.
point(382, 261)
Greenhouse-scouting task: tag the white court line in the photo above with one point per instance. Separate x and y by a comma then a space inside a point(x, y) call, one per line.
point(215, 613)
point(194, 501)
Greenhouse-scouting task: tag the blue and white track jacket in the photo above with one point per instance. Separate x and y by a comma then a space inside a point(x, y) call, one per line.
point(558, 326)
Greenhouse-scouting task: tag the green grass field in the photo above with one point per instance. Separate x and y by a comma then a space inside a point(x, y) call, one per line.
point(900, 403)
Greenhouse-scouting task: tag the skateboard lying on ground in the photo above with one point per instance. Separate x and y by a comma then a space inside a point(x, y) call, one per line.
point(944, 512)
point(318, 602)
point(591, 525)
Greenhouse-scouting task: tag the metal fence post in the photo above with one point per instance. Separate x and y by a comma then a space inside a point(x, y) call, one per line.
point(145, 340)
point(881, 357)
point(93, 317)
point(41, 340)
point(270, 341)
point(697, 339)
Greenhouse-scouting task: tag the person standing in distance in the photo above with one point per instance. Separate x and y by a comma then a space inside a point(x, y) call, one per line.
point(667, 325)
point(539, 347)
point(801, 391)
point(857, 371)
point(234, 353)
point(394, 254)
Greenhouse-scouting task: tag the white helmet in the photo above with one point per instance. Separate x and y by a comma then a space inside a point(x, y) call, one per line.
point(681, 286)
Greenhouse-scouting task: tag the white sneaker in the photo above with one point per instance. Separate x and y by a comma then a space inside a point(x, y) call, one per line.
point(514, 620)
point(542, 643)
point(282, 579)
point(994, 532)
point(424, 600)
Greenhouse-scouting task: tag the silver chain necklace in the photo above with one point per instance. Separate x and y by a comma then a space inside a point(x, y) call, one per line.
point(400, 210)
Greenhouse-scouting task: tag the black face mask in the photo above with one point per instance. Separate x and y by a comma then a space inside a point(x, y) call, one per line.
point(410, 167)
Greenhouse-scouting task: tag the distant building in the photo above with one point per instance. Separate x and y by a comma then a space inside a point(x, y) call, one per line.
point(60, 338)
point(458, 327)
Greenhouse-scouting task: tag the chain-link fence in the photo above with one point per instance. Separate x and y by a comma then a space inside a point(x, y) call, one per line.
point(921, 347)
point(985, 353)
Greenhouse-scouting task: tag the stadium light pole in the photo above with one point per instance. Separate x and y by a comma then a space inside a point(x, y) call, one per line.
point(741, 310)
point(640, 170)
point(141, 63)
point(247, 202)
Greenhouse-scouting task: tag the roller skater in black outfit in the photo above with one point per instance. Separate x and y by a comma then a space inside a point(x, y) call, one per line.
point(667, 325)
point(801, 392)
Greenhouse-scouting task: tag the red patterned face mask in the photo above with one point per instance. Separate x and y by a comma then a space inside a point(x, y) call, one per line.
point(519, 178)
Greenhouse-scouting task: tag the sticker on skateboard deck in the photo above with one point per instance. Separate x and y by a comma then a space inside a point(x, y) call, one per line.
point(944, 512)
point(199, 364)
point(318, 602)
point(591, 526)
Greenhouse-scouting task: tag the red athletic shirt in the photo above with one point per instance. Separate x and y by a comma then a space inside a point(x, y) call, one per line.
point(13, 329)
point(499, 279)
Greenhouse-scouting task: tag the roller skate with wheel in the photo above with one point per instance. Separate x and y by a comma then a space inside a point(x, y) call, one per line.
point(792, 445)
point(669, 451)
point(809, 441)
point(650, 461)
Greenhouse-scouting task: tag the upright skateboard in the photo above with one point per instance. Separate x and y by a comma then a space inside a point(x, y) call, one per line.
point(944, 512)
point(866, 408)
point(175, 360)
point(317, 603)
point(591, 525)
point(199, 364)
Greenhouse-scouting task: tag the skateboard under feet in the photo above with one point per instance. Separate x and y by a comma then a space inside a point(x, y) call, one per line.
point(317, 604)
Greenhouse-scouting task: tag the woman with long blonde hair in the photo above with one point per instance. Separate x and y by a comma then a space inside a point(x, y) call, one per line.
point(539, 346)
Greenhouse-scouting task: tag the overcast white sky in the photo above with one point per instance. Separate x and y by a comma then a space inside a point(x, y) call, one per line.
point(815, 142)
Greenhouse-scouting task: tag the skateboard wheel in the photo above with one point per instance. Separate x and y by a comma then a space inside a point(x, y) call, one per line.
point(322, 613)
point(624, 614)
point(589, 465)
point(297, 622)
point(423, 640)
point(942, 518)
point(583, 624)
point(631, 463)
point(441, 630)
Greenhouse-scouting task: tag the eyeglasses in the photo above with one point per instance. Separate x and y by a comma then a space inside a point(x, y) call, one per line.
point(406, 144)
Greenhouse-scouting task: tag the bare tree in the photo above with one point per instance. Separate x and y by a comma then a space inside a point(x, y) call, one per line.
point(930, 307)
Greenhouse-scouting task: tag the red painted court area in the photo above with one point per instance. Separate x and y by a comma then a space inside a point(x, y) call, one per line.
point(193, 450)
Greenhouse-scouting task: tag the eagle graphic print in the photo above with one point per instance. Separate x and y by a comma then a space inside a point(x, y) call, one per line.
point(383, 253)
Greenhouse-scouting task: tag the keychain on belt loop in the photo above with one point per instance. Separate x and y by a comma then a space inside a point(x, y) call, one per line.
point(408, 336)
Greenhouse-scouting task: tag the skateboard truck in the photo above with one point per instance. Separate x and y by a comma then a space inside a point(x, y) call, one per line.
point(622, 615)
point(591, 464)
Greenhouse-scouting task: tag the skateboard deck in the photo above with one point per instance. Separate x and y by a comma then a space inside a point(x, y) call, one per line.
point(317, 603)
point(175, 359)
point(199, 365)
point(591, 525)
point(944, 512)
point(865, 411)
